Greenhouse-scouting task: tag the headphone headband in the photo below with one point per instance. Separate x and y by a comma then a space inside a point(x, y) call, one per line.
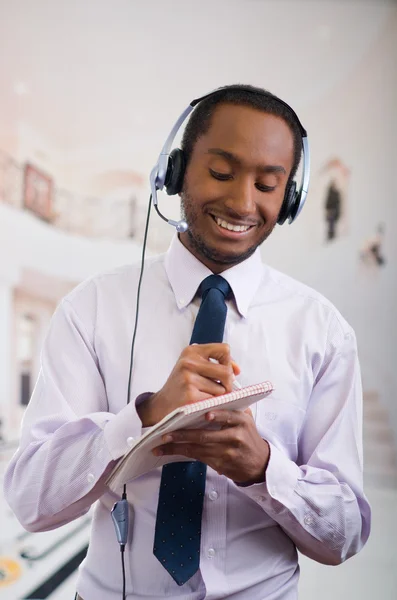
point(244, 88)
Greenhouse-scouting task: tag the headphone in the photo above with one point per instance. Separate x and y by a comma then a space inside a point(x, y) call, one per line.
point(169, 170)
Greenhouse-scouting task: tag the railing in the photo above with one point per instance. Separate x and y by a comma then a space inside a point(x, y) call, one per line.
point(73, 213)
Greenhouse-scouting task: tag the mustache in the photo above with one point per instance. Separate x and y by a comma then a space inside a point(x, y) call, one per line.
point(235, 217)
point(222, 211)
point(190, 211)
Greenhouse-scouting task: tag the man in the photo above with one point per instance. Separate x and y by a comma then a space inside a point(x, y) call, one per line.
point(288, 474)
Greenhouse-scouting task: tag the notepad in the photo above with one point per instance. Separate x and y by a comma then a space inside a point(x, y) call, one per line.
point(139, 459)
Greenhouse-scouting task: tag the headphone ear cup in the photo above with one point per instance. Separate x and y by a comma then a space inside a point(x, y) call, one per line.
point(175, 172)
point(288, 207)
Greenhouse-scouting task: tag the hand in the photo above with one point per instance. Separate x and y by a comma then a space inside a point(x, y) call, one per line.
point(193, 378)
point(236, 450)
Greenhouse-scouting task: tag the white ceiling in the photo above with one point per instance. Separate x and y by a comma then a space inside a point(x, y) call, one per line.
point(90, 75)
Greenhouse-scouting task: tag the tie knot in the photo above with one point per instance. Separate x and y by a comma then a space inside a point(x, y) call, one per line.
point(214, 282)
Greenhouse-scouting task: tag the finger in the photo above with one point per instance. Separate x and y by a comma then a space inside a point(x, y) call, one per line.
point(219, 373)
point(219, 351)
point(222, 375)
point(227, 418)
point(199, 436)
point(216, 353)
point(214, 370)
point(195, 451)
point(207, 387)
point(214, 456)
point(236, 368)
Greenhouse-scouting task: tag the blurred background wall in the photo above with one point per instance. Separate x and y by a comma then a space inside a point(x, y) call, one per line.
point(88, 94)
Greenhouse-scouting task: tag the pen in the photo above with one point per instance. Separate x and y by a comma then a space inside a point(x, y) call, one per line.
point(236, 386)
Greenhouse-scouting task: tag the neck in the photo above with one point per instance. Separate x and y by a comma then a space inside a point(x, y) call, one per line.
point(212, 265)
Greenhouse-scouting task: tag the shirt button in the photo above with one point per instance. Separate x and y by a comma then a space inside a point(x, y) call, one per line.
point(90, 478)
point(211, 553)
point(272, 490)
point(308, 520)
point(130, 441)
point(181, 301)
point(213, 495)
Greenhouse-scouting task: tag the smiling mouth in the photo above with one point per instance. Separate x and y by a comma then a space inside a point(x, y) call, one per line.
point(230, 226)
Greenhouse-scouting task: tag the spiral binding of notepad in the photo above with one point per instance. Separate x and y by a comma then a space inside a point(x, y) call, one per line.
point(251, 390)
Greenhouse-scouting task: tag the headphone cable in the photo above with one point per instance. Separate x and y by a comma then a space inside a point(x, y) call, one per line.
point(120, 509)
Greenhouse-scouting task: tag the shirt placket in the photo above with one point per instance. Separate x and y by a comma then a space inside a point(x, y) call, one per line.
point(213, 535)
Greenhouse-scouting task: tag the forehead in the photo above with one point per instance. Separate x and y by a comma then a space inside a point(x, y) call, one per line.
point(250, 133)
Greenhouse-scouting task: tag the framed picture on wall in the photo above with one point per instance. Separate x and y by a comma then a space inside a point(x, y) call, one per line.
point(372, 253)
point(38, 192)
point(335, 177)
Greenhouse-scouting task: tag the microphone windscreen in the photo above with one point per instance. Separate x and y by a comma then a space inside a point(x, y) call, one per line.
point(182, 226)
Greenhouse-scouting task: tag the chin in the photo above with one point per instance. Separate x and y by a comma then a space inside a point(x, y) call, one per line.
point(221, 256)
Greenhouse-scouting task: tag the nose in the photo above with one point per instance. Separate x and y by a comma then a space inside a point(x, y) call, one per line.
point(241, 197)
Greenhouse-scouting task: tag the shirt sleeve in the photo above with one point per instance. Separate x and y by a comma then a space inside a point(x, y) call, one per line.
point(319, 500)
point(69, 439)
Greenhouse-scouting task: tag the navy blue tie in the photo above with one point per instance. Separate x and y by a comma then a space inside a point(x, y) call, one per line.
point(180, 506)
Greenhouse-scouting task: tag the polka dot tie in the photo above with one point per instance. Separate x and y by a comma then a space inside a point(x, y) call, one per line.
point(180, 506)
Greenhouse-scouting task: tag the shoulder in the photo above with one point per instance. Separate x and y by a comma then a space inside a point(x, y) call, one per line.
point(308, 304)
point(109, 290)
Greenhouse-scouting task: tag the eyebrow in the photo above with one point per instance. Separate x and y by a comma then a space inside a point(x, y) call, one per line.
point(234, 159)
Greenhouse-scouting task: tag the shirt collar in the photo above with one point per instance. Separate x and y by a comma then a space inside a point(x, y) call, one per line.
point(185, 273)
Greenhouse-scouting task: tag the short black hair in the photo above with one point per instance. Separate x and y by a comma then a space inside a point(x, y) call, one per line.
point(245, 95)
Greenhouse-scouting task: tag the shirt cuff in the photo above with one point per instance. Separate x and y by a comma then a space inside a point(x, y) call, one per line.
point(122, 430)
point(277, 492)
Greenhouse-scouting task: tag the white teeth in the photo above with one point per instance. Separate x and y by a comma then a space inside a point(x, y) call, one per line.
point(231, 227)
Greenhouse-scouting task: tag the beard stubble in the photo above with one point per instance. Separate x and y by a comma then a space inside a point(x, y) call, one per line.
point(202, 248)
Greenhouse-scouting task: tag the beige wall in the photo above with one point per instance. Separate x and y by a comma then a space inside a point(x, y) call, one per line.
point(357, 122)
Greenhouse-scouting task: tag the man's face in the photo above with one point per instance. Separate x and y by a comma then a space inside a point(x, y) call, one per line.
point(234, 184)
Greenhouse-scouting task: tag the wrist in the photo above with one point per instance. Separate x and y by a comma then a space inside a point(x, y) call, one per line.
point(260, 476)
point(144, 408)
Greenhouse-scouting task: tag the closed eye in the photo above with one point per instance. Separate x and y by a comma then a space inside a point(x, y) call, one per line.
point(220, 176)
point(227, 176)
point(264, 188)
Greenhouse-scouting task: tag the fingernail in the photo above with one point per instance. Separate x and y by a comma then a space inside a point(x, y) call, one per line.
point(167, 438)
point(157, 451)
point(211, 416)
